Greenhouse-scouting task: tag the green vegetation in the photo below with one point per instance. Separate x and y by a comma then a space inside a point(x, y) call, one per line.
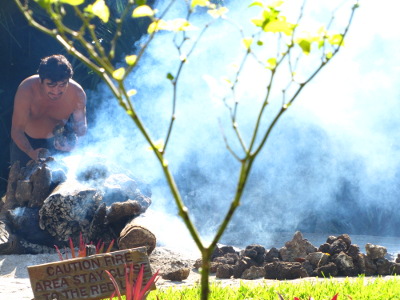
point(362, 288)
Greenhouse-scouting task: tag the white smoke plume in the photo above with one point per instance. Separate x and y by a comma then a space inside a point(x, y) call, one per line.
point(335, 151)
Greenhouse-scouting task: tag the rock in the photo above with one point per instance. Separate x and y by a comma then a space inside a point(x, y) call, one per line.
point(370, 267)
point(176, 275)
point(9, 242)
point(345, 264)
point(272, 255)
point(317, 259)
point(375, 251)
point(327, 270)
point(253, 272)
point(324, 248)
point(297, 247)
point(337, 246)
point(395, 269)
point(284, 270)
point(123, 211)
point(383, 266)
point(25, 223)
point(241, 265)
point(255, 252)
point(224, 271)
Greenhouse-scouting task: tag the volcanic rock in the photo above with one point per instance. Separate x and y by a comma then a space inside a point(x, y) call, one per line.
point(297, 247)
point(255, 252)
point(224, 271)
point(317, 259)
point(253, 272)
point(284, 270)
point(327, 270)
point(179, 274)
point(375, 251)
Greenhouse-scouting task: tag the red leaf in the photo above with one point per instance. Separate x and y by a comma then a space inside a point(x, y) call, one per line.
point(110, 246)
point(335, 297)
point(71, 246)
point(115, 284)
point(59, 253)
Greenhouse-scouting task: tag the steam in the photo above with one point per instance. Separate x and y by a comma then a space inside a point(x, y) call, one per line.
point(331, 163)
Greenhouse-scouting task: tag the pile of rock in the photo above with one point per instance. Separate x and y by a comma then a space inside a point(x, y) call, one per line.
point(299, 258)
point(43, 207)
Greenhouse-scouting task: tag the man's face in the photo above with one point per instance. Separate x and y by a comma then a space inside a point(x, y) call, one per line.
point(55, 90)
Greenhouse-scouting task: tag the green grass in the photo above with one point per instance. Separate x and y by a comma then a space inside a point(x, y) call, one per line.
point(362, 288)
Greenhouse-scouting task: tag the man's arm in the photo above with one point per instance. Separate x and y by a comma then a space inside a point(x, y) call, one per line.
point(20, 119)
point(79, 115)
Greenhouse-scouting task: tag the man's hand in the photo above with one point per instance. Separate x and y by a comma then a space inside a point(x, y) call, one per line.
point(39, 153)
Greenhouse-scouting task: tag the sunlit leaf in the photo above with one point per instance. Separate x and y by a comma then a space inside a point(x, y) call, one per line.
point(172, 25)
point(260, 43)
point(280, 26)
point(131, 59)
point(100, 10)
point(336, 39)
point(73, 2)
point(159, 145)
point(132, 92)
point(143, 11)
point(202, 3)
point(218, 12)
point(329, 55)
point(271, 63)
point(119, 74)
point(257, 3)
point(247, 42)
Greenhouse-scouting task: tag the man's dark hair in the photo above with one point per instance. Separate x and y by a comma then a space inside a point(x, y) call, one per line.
point(55, 68)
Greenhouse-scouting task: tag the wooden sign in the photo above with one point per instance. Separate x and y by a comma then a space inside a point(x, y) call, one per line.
point(85, 277)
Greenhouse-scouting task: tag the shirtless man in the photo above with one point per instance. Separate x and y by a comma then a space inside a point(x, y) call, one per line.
point(42, 103)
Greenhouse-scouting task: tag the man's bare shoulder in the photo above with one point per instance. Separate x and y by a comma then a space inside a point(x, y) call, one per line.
point(29, 83)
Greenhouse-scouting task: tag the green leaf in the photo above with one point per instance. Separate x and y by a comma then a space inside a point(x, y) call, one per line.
point(170, 76)
point(247, 42)
point(260, 43)
point(202, 3)
point(329, 55)
point(140, 2)
point(271, 63)
point(305, 45)
point(73, 2)
point(44, 3)
point(100, 10)
point(143, 11)
point(119, 74)
point(131, 59)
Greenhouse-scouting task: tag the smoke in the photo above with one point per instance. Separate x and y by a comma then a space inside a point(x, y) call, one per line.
point(330, 165)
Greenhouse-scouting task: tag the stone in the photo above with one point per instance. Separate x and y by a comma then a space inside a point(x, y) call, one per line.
point(284, 270)
point(317, 259)
point(224, 271)
point(345, 264)
point(272, 255)
point(255, 252)
point(253, 272)
point(327, 270)
point(375, 251)
point(177, 275)
point(296, 248)
point(337, 246)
